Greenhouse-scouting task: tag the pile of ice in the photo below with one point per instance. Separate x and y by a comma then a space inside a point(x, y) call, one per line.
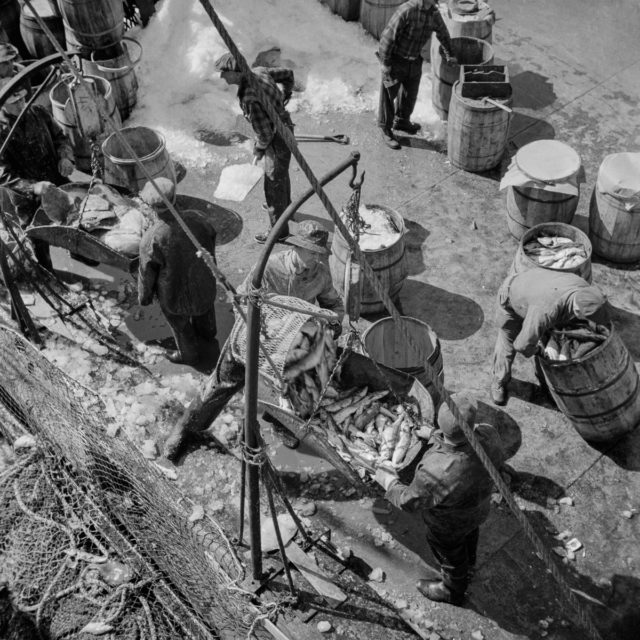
point(180, 92)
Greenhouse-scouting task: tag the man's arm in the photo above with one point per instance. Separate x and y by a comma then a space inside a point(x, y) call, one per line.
point(262, 127)
point(389, 36)
point(284, 77)
point(421, 493)
point(441, 31)
point(536, 323)
point(148, 270)
point(60, 141)
point(330, 299)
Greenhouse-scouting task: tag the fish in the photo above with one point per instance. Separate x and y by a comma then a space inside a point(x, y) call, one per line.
point(309, 361)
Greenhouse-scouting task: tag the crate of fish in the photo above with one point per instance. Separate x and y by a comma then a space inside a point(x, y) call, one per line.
point(556, 246)
point(355, 412)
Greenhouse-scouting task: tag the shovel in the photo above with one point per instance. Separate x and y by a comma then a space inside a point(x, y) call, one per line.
point(340, 138)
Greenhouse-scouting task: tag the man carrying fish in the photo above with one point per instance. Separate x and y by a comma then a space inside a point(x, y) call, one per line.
point(268, 143)
point(302, 271)
point(451, 490)
point(532, 303)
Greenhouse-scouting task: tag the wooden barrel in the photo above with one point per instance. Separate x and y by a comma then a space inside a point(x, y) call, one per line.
point(35, 39)
point(348, 10)
point(120, 72)
point(388, 263)
point(59, 97)
point(522, 262)
point(529, 206)
point(385, 343)
point(374, 15)
point(614, 213)
point(92, 24)
point(120, 168)
point(477, 132)
point(599, 392)
point(445, 74)
point(10, 23)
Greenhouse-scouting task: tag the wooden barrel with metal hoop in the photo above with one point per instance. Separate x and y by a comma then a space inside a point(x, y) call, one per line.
point(120, 72)
point(35, 39)
point(388, 263)
point(92, 24)
point(599, 393)
point(348, 10)
point(375, 14)
point(121, 169)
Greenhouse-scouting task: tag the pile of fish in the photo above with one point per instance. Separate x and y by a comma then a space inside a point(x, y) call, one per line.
point(556, 252)
point(364, 426)
point(575, 340)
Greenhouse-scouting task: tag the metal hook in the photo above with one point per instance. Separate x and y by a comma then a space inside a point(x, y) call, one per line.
point(353, 183)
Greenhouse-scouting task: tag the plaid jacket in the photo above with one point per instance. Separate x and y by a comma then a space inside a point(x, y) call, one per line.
point(408, 31)
point(251, 105)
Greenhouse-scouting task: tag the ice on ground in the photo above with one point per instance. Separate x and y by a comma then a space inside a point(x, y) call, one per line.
point(180, 92)
point(237, 180)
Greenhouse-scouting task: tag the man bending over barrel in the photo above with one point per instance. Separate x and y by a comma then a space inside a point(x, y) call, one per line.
point(532, 303)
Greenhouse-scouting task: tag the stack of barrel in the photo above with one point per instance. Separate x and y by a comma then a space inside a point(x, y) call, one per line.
point(95, 30)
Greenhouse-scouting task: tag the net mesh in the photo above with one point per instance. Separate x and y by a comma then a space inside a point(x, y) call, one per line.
point(91, 533)
point(278, 329)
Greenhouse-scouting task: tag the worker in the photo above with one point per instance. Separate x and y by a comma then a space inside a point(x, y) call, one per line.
point(228, 379)
point(401, 44)
point(37, 155)
point(302, 271)
point(171, 270)
point(532, 303)
point(268, 143)
point(451, 490)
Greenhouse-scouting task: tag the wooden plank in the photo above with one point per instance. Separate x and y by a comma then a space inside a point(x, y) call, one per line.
point(314, 574)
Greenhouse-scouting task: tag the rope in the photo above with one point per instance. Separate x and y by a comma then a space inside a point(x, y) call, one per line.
point(467, 428)
point(255, 456)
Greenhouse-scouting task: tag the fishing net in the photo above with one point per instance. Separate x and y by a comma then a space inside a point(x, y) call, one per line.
point(93, 538)
point(278, 329)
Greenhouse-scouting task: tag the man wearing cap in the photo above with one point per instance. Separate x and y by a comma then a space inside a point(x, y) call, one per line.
point(37, 154)
point(451, 490)
point(401, 43)
point(268, 143)
point(302, 271)
point(532, 303)
point(171, 271)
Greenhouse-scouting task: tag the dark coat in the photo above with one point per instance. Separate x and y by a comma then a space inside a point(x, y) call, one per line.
point(171, 270)
point(451, 487)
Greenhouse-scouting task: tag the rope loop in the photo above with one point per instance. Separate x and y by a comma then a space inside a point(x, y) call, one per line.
point(255, 456)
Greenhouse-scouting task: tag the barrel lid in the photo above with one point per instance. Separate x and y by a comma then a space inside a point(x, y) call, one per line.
point(548, 160)
point(619, 176)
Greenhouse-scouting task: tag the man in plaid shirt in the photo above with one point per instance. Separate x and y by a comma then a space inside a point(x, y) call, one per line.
point(400, 45)
point(268, 143)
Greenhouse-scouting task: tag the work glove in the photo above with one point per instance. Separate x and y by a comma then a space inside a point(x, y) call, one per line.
point(40, 187)
point(386, 475)
point(65, 167)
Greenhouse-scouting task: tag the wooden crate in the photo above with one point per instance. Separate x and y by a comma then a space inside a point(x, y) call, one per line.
point(485, 81)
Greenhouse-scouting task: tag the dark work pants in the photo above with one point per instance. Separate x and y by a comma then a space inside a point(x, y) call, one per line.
point(456, 556)
point(191, 331)
point(277, 185)
point(399, 92)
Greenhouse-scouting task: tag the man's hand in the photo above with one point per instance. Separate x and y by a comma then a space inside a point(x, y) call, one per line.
point(336, 328)
point(65, 167)
point(258, 154)
point(451, 59)
point(386, 475)
point(386, 71)
point(145, 301)
point(287, 97)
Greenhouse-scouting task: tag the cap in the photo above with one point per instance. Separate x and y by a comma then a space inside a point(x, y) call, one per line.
point(226, 62)
point(587, 301)
point(19, 94)
point(7, 52)
point(151, 196)
point(310, 235)
point(446, 422)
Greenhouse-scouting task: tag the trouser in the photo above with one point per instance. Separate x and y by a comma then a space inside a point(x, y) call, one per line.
point(277, 185)
point(225, 381)
point(509, 326)
point(456, 556)
point(190, 331)
point(399, 92)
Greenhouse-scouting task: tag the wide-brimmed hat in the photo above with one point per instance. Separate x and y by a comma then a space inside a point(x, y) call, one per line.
point(226, 62)
point(467, 407)
point(310, 235)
